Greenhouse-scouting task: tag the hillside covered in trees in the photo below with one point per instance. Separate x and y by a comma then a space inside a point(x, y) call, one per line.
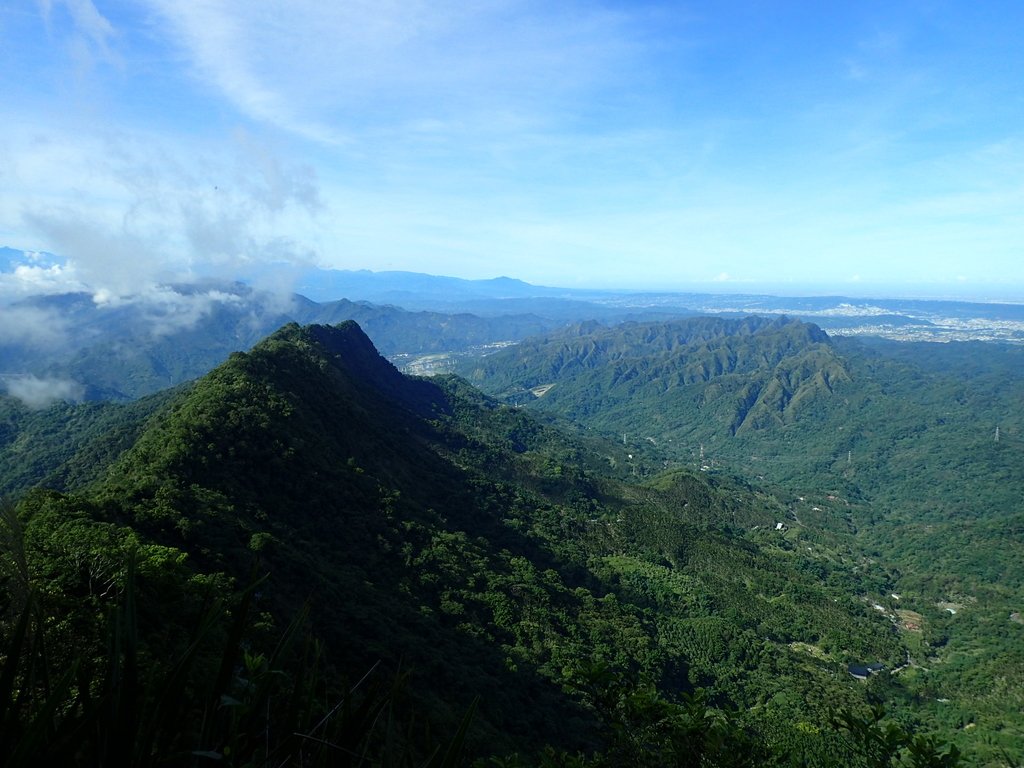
point(911, 453)
point(308, 556)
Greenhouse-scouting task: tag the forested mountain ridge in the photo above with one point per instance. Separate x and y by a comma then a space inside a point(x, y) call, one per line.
point(437, 531)
point(67, 445)
point(912, 449)
point(126, 349)
point(741, 374)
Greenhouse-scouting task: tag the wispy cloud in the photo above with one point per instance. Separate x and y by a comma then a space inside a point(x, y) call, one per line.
point(337, 72)
point(219, 42)
point(34, 280)
point(87, 22)
point(86, 34)
point(155, 214)
point(38, 393)
point(163, 310)
point(32, 325)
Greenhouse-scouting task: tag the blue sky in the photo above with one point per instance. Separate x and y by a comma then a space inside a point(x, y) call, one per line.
point(855, 147)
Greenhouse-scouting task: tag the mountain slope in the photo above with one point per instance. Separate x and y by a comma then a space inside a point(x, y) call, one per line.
point(133, 347)
point(914, 450)
point(437, 531)
point(67, 446)
point(740, 374)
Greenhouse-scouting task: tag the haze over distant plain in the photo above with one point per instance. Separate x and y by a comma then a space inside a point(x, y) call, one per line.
point(854, 147)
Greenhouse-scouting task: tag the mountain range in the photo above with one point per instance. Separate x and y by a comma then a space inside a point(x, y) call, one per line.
point(133, 348)
point(908, 451)
point(494, 557)
point(650, 537)
point(62, 338)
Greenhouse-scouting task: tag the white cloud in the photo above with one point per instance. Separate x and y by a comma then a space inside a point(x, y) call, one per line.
point(450, 137)
point(87, 38)
point(39, 393)
point(105, 257)
point(153, 213)
point(131, 215)
point(215, 38)
point(166, 311)
point(28, 280)
point(32, 325)
point(338, 72)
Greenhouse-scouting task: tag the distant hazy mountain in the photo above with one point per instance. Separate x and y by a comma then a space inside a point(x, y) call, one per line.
point(133, 347)
point(12, 258)
point(411, 288)
point(399, 332)
point(57, 339)
point(900, 318)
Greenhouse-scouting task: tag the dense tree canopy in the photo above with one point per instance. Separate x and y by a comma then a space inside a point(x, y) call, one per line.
point(309, 546)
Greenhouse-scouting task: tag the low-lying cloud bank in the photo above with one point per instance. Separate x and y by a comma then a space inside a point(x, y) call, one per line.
point(39, 393)
point(48, 307)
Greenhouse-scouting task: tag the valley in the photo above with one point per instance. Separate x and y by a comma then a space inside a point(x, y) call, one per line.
point(891, 446)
